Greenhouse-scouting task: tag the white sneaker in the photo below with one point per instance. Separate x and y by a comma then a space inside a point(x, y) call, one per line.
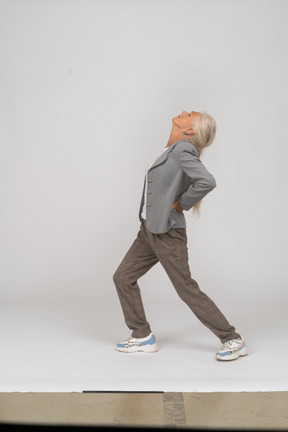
point(232, 349)
point(147, 344)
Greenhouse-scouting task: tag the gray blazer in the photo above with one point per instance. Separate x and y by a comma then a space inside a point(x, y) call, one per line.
point(178, 174)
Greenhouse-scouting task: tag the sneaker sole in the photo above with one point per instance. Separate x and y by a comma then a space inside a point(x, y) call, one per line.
point(144, 348)
point(234, 356)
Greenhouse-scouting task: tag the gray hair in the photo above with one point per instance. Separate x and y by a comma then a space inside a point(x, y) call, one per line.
point(205, 128)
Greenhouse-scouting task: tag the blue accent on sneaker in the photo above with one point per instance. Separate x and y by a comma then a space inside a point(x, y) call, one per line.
point(150, 341)
point(119, 345)
point(223, 354)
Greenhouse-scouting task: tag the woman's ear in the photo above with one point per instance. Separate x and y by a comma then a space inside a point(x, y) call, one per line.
point(191, 131)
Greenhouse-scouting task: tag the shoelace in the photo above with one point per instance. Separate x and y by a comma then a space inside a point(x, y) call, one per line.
point(131, 341)
point(229, 344)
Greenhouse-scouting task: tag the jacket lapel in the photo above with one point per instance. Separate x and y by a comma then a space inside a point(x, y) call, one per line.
point(162, 158)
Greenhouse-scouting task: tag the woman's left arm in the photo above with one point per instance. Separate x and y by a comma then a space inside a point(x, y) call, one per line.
point(201, 181)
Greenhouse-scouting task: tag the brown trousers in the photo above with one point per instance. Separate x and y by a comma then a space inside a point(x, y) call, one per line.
point(171, 250)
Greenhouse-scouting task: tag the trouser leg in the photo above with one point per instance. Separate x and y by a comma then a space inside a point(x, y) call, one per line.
point(138, 260)
point(173, 256)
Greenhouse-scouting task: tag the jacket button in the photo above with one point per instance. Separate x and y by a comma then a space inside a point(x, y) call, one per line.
point(148, 204)
point(149, 180)
point(149, 192)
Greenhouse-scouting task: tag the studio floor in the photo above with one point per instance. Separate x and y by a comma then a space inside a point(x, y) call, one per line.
point(59, 359)
point(70, 347)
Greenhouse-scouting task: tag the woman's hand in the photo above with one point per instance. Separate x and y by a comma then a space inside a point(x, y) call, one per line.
point(177, 206)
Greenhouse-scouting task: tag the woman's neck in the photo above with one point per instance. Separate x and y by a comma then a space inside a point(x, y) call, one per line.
point(174, 137)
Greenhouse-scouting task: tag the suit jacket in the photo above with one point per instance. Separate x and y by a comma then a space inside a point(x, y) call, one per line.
point(178, 174)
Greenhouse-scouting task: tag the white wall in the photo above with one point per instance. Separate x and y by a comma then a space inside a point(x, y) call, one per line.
point(88, 89)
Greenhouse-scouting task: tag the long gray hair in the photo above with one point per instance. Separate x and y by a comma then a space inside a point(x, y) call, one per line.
point(205, 128)
point(205, 131)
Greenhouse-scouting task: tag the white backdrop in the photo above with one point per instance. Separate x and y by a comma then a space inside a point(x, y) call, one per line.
point(88, 91)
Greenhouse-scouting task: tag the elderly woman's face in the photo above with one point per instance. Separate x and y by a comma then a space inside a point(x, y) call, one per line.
point(184, 122)
point(185, 119)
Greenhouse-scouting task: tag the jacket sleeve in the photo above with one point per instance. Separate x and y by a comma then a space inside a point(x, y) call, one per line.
point(200, 180)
